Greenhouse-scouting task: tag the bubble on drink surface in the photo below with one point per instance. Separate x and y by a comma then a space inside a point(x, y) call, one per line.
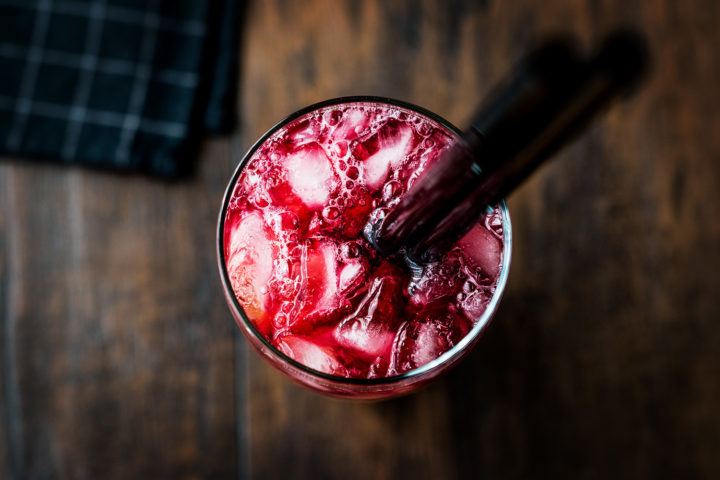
point(350, 250)
point(353, 173)
point(425, 129)
point(330, 213)
point(311, 175)
point(391, 190)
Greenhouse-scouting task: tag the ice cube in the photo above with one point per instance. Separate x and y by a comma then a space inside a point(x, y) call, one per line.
point(300, 132)
point(387, 148)
point(318, 295)
point(475, 302)
point(352, 276)
point(308, 353)
point(354, 121)
point(438, 280)
point(311, 175)
point(425, 338)
point(321, 277)
point(483, 249)
point(370, 329)
point(250, 255)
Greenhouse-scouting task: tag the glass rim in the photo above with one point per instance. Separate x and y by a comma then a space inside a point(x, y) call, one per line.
point(419, 372)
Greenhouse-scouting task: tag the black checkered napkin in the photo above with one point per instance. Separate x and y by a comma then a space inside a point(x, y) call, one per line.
point(123, 84)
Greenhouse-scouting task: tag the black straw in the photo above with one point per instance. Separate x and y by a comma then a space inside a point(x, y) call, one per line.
point(550, 98)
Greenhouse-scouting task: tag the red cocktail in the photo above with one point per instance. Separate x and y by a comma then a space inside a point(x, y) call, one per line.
point(305, 287)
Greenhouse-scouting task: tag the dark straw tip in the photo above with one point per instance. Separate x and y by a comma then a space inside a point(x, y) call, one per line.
point(553, 56)
point(551, 96)
point(625, 54)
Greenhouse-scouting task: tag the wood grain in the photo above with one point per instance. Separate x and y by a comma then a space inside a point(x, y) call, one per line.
point(118, 357)
point(5, 397)
point(119, 354)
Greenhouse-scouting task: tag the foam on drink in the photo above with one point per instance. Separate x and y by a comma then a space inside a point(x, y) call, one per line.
point(306, 278)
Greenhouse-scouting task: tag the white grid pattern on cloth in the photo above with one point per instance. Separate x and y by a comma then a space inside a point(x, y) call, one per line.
point(100, 117)
point(90, 114)
point(78, 111)
point(109, 66)
point(24, 103)
point(132, 119)
point(121, 15)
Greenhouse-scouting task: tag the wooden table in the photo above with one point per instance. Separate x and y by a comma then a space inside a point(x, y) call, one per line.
point(119, 358)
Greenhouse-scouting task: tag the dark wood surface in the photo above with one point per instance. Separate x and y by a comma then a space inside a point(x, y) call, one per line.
point(119, 358)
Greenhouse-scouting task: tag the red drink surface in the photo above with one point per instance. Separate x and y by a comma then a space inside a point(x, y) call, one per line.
point(304, 275)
